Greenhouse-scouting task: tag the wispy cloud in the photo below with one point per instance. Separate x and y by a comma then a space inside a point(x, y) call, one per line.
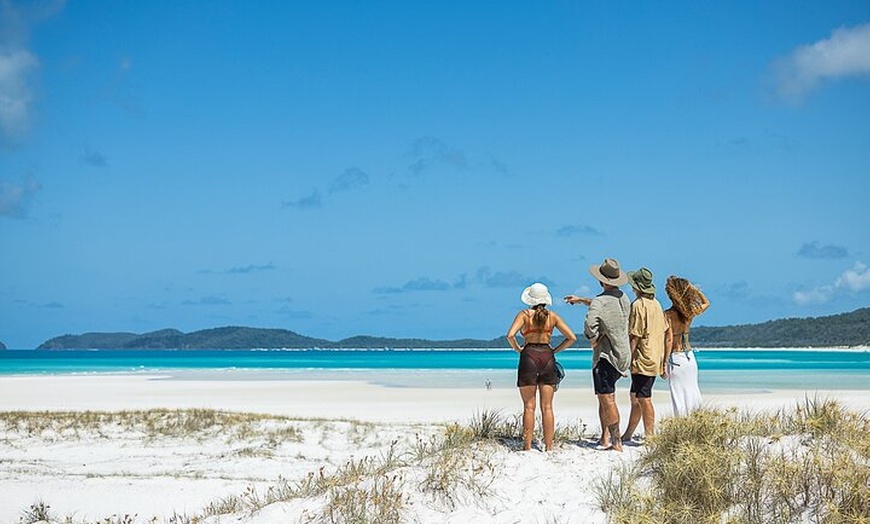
point(484, 277)
point(118, 92)
point(15, 198)
point(430, 156)
point(499, 279)
point(351, 179)
point(244, 270)
point(815, 250)
point(418, 284)
point(93, 158)
point(845, 54)
point(51, 305)
point(211, 300)
point(737, 290)
point(577, 230)
point(853, 280)
point(288, 312)
point(18, 64)
point(314, 200)
point(431, 153)
point(16, 68)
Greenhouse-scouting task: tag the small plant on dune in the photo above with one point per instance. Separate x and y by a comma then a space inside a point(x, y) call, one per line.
point(570, 431)
point(379, 499)
point(38, 512)
point(489, 425)
point(698, 451)
point(454, 473)
point(183, 519)
point(615, 491)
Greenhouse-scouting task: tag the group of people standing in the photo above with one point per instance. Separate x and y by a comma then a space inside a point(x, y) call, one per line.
point(635, 338)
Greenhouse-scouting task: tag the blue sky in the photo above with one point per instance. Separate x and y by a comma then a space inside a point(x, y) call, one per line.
point(405, 169)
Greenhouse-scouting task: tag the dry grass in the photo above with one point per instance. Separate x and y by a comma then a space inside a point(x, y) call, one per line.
point(494, 425)
point(809, 465)
point(196, 424)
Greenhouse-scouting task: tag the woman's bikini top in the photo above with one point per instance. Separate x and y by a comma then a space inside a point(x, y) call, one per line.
point(531, 328)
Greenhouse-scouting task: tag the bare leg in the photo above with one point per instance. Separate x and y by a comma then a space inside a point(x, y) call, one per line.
point(547, 418)
point(607, 405)
point(633, 418)
point(602, 417)
point(649, 416)
point(528, 395)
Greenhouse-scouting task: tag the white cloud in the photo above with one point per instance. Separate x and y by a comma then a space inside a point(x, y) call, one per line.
point(820, 295)
point(14, 197)
point(16, 67)
point(17, 63)
point(854, 280)
point(846, 53)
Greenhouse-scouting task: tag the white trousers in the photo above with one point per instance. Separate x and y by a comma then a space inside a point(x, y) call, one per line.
point(683, 383)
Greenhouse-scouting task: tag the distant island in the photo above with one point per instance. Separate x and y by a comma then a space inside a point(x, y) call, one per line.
point(843, 330)
point(847, 329)
point(2, 345)
point(237, 337)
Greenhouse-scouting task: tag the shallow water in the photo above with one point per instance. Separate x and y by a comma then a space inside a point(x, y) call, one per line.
point(720, 370)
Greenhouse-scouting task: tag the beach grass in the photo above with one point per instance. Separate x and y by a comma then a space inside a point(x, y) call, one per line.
point(808, 464)
point(451, 467)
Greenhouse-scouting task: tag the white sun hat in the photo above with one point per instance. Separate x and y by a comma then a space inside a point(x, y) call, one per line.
point(536, 294)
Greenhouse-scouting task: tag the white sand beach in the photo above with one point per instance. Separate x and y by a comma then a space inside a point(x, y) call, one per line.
point(109, 471)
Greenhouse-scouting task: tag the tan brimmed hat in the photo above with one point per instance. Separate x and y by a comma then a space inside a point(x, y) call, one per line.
point(609, 273)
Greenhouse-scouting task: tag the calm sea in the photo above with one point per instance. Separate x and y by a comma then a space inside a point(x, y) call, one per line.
point(744, 370)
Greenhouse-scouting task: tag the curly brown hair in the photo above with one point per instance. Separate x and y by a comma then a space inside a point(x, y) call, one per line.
point(684, 296)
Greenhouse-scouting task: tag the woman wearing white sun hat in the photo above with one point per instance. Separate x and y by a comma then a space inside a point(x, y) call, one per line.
point(536, 372)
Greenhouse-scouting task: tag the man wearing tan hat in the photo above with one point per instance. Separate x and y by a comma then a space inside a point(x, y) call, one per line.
point(606, 327)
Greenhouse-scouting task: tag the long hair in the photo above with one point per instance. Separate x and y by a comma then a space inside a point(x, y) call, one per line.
point(684, 296)
point(540, 317)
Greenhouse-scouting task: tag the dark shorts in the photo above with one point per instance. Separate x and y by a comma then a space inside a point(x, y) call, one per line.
point(537, 366)
point(604, 377)
point(641, 385)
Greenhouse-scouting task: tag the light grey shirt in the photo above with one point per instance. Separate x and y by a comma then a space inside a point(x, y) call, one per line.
point(607, 320)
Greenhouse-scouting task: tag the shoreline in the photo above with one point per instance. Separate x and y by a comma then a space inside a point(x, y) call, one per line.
point(350, 399)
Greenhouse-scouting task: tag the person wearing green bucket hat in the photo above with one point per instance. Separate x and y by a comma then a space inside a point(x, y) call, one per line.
point(647, 332)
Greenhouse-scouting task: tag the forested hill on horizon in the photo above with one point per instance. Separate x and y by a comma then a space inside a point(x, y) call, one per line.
point(842, 330)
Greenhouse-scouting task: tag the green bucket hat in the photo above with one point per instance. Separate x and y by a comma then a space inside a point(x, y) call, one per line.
point(642, 280)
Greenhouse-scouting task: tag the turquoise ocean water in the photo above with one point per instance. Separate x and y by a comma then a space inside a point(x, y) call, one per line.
point(744, 370)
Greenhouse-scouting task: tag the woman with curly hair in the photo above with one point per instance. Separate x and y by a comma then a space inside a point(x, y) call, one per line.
point(681, 368)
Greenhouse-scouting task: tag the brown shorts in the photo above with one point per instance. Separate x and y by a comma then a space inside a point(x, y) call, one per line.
point(537, 366)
